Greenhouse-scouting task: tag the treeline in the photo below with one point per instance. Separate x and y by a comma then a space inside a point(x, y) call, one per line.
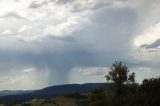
point(125, 91)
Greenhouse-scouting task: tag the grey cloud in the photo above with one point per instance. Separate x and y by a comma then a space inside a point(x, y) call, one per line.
point(57, 63)
point(97, 45)
point(108, 38)
point(36, 4)
point(144, 46)
point(62, 2)
point(154, 44)
point(83, 5)
point(17, 0)
point(12, 14)
point(108, 26)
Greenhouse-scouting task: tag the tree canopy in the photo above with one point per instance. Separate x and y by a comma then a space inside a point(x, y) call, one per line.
point(119, 75)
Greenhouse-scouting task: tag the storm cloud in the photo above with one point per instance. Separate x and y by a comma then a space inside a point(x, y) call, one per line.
point(59, 37)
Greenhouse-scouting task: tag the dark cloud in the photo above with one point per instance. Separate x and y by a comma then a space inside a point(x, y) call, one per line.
point(97, 45)
point(154, 44)
point(107, 38)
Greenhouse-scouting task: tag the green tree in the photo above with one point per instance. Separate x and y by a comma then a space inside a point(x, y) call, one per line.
point(118, 75)
point(97, 98)
point(132, 78)
point(152, 88)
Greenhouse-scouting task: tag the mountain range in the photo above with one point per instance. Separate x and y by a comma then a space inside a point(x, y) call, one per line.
point(49, 92)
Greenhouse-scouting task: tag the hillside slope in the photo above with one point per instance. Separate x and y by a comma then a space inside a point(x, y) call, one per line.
point(53, 91)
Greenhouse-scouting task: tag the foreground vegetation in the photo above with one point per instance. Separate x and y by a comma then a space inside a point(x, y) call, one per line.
point(125, 91)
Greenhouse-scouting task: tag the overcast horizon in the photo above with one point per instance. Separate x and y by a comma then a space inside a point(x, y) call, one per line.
point(54, 42)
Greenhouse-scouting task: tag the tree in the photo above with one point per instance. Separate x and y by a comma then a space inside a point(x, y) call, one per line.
point(97, 98)
point(132, 78)
point(119, 76)
point(152, 88)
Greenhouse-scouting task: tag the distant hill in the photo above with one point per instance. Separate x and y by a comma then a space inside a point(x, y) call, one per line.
point(53, 91)
point(15, 92)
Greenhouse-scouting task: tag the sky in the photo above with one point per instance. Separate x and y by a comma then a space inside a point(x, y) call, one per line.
point(53, 42)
